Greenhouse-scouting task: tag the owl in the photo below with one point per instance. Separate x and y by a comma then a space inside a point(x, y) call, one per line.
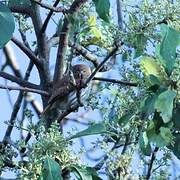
point(61, 99)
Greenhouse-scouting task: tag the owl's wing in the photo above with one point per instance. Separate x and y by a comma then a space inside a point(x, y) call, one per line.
point(57, 95)
point(60, 93)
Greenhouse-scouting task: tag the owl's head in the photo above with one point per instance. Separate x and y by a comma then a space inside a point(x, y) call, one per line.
point(81, 71)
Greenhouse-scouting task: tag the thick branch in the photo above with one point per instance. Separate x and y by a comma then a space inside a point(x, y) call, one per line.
point(126, 83)
point(119, 14)
point(61, 50)
point(19, 81)
point(63, 43)
point(28, 52)
point(43, 49)
point(16, 8)
point(85, 53)
point(41, 38)
point(11, 59)
point(24, 89)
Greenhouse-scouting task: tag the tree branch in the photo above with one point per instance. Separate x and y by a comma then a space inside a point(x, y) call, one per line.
point(11, 59)
point(101, 64)
point(23, 34)
point(16, 108)
point(81, 50)
point(68, 111)
point(28, 52)
point(16, 8)
point(44, 93)
point(153, 157)
point(49, 7)
point(45, 24)
point(63, 42)
point(126, 83)
point(100, 164)
point(12, 62)
point(43, 50)
point(19, 81)
point(119, 14)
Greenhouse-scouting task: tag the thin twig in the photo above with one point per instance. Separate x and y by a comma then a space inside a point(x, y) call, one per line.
point(101, 64)
point(12, 62)
point(126, 83)
point(45, 24)
point(23, 35)
point(153, 157)
point(127, 138)
point(19, 88)
point(16, 108)
point(100, 164)
point(81, 50)
point(49, 7)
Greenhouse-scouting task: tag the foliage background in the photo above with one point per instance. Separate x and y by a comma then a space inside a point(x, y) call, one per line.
point(135, 122)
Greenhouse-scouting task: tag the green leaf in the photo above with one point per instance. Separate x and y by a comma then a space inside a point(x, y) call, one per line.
point(125, 119)
point(102, 8)
point(154, 80)
point(6, 23)
point(98, 128)
point(21, 3)
point(164, 105)
point(147, 106)
point(175, 147)
point(92, 21)
point(144, 144)
point(158, 140)
point(168, 47)
point(154, 135)
point(96, 33)
point(51, 170)
point(84, 173)
point(139, 43)
point(166, 135)
point(153, 72)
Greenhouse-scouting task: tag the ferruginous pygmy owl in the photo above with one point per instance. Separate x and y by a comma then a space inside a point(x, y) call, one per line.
point(58, 103)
